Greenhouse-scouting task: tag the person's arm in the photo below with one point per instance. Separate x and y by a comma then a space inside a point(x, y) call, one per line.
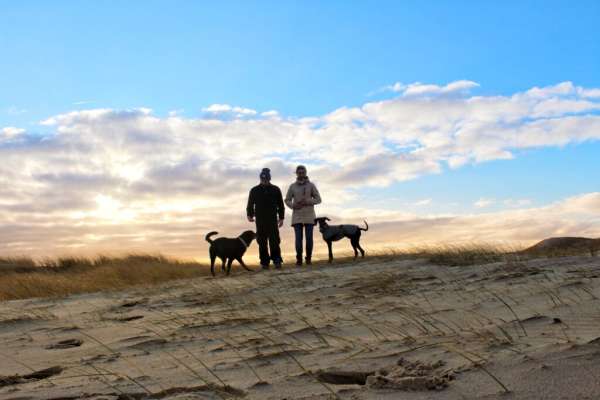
point(316, 196)
point(250, 205)
point(280, 206)
point(289, 198)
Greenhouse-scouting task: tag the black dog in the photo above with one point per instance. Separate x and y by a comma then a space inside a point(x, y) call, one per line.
point(333, 233)
point(229, 249)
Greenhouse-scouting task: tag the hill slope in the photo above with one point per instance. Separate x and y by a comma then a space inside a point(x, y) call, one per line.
point(565, 245)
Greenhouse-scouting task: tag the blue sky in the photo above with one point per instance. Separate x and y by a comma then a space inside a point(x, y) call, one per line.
point(308, 59)
point(302, 58)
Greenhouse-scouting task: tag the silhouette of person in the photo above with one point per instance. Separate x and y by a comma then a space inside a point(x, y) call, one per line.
point(265, 206)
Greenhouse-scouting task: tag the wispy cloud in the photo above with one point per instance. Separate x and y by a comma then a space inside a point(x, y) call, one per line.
point(424, 202)
point(483, 202)
point(227, 109)
point(421, 89)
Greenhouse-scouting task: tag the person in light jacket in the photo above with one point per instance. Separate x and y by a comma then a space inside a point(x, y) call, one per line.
point(301, 197)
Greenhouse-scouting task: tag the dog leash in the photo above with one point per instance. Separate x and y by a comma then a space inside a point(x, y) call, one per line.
point(244, 243)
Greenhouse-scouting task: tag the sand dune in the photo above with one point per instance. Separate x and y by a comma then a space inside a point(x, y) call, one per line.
point(565, 245)
point(376, 329)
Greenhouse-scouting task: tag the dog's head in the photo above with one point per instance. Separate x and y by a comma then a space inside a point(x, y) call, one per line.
point(248, 236)
point(322, 221)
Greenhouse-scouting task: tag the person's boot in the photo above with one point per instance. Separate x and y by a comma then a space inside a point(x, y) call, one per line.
point(278, 265)
point(308, 261)
point(265, 266)
point(298, 261)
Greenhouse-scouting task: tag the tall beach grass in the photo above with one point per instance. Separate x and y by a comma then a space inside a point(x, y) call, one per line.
point(22, 277)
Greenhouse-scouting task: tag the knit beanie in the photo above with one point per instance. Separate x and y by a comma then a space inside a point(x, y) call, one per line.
point(265, 174)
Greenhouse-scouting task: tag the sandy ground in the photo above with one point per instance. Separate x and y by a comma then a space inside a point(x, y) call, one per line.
point(367, 330)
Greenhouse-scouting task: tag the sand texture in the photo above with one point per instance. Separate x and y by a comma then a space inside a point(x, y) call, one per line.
point(375, 329)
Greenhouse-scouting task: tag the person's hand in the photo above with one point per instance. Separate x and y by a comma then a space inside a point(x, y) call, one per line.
point(250, 219)
point(280, 222)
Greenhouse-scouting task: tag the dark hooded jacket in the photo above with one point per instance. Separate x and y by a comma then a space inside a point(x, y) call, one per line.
point(265, 202)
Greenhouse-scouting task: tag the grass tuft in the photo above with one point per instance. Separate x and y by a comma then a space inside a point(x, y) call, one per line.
point(16, 264)
point(460, 255)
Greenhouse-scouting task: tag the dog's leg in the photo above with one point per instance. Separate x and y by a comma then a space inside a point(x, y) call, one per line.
point(212, 263)
point(229, 262)
point(357, 241)
point(330, 251)
point(239, 259)
point(223, 264)
point(362, 252)
point(354, 243)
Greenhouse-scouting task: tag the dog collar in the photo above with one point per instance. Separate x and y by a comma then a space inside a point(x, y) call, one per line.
point(243, 242)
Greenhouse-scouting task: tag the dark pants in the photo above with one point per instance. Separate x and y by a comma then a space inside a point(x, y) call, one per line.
point(267, 237)
point(299, 229)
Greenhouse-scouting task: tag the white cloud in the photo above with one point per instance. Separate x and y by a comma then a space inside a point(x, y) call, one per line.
point(217, 108)
point(11, 132)
point(564, 89)
point(561, 89)
point(420, 89)
point(483, 202)
point(424, 202)
point(226, 108)
point(589, 92)
point(145, 110)
point(171, 178)
point(270, 114)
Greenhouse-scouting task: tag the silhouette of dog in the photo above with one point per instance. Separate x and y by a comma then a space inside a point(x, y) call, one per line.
point(228, 249)
point(333, 233)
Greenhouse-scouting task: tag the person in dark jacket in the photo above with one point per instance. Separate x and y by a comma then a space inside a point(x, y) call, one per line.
point(265, 206)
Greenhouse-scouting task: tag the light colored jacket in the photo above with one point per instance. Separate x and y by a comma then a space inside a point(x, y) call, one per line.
point(307, 192)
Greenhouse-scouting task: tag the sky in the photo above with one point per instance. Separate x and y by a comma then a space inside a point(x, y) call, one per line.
point(140, 126)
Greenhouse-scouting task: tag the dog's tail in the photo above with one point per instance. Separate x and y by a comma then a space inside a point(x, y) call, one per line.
point(364, 229)
point(209, 234)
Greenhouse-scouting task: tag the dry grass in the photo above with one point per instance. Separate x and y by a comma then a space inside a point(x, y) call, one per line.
point(448, 255)
point(16, 264)
point(468, 254)
point(22, 277)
